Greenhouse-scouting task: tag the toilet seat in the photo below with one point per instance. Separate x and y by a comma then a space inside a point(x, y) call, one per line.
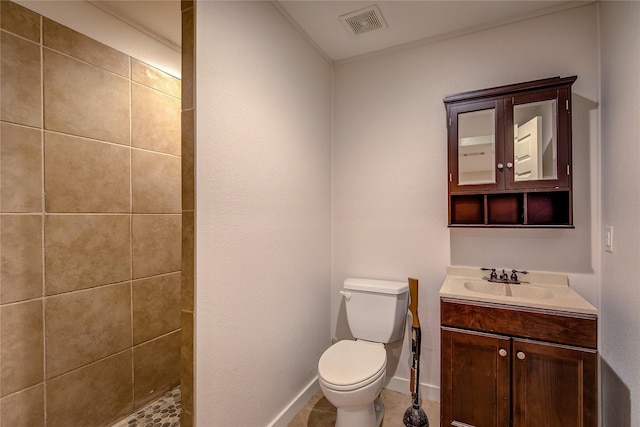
point(350, 365)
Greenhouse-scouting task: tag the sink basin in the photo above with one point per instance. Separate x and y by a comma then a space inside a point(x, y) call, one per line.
point(546, 290)
point(508, 290)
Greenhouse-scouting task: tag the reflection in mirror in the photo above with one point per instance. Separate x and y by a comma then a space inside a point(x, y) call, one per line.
point(534, 141)
point(476, 147)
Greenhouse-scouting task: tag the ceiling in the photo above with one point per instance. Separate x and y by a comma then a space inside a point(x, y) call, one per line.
point(409, 22)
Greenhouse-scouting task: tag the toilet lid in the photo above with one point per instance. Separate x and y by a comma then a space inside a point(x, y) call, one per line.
point(351, 362)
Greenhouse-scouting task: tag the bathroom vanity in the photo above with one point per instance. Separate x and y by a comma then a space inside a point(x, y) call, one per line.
point(516, 354)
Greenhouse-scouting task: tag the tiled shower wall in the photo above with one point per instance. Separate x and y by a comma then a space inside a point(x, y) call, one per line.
point(90, 227)
point(188, 206)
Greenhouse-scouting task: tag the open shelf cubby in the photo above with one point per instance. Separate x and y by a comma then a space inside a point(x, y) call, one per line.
point(549, 208)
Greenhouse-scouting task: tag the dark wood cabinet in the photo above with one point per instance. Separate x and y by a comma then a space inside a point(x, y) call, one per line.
point(506, 366)
point(510, 155)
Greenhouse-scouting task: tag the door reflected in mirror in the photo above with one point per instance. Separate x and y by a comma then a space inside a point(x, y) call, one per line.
point(535, 141)
point(477, 147)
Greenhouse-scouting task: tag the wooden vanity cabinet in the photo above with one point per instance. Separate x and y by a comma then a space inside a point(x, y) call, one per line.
point(509, 150)
point(507, 366)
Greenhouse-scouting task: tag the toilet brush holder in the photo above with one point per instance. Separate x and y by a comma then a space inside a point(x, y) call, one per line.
point(415, 416)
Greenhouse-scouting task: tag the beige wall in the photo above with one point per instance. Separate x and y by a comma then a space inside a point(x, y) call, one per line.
point(263, 214)
point(90, 227)
point(390, 168)
point(620, 297)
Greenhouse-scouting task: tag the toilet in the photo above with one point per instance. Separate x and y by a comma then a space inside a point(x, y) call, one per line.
point(351, 372)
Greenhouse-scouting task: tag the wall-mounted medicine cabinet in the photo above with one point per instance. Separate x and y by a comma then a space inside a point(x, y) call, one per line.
point(510, 155)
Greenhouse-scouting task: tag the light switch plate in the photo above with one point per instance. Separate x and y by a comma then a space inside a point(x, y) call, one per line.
point(608, 238)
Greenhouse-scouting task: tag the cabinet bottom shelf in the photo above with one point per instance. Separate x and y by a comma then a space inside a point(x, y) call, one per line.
point(531, 209)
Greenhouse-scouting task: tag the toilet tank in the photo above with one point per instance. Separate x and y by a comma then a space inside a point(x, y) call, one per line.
point(376, 309)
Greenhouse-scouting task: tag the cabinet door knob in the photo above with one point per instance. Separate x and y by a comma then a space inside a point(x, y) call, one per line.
point(502, 352)
point(521, 355)
point(509, 165)
point(500, 166)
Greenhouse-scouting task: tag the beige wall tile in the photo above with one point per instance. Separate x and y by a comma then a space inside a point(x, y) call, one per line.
point(83, 175)
point(67, 41)
point(155, 182)
point(186, 4)
point(83, 251)
point(186, 361)
point(22, 346)
point(188, 186)
point(20, 83)
point(156, 244)
point(85, 326)
point(20, 169)
point(155, 120)
point(156, 368)
point(187, 267)
point(84, 100)
point(20, 21)
point(95, 395)
point(186, 419)
point(24, 409)
point(156, 307)
point(152, 77)
point(188, 75)
point(21, 257)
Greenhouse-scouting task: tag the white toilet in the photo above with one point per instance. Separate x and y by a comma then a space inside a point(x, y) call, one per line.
point(351, 373)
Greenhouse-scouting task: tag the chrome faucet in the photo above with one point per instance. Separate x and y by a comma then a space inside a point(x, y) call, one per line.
point(504, 276)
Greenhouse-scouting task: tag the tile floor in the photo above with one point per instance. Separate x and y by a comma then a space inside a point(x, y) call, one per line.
point(320, 413)
point(164, 412)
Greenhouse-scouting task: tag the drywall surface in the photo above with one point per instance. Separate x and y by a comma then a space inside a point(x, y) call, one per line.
point(620, 296)
point(390, 166)
point(263, 218)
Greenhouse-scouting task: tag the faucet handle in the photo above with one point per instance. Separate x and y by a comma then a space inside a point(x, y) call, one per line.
point(514, 273)
point(493, 275)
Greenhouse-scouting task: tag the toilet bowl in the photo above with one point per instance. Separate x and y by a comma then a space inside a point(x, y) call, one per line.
point(351, 375)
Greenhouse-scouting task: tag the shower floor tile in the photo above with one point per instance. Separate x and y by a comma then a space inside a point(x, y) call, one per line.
point(164, 412)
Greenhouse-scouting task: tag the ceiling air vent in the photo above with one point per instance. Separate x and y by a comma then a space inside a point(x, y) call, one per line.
point(364, 20)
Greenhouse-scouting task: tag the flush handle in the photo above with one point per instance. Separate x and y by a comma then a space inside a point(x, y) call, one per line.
point(502, 352)
point(345, 294)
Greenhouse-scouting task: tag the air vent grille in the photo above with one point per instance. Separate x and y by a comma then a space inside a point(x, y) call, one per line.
point(364, 20)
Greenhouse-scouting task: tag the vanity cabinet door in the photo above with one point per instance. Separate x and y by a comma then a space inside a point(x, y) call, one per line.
point(553, 385)
point(475, 379)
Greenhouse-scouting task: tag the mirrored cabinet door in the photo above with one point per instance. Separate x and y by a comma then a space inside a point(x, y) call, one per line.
point(540, 153)
point(477, 146)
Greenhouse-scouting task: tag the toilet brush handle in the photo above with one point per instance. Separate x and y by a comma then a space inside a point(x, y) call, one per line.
point(414, 381)
point(413, 302)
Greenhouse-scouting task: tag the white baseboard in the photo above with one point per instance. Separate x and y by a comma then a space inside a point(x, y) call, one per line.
point(401, 385)
point(289, 413)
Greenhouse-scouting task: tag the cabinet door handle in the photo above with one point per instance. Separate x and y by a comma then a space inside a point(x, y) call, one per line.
point(502, 352)
point(500, 166)
point(509, 165)
point(521, 355)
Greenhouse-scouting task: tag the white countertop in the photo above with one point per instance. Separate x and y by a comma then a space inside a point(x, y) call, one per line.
point(545, 290)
